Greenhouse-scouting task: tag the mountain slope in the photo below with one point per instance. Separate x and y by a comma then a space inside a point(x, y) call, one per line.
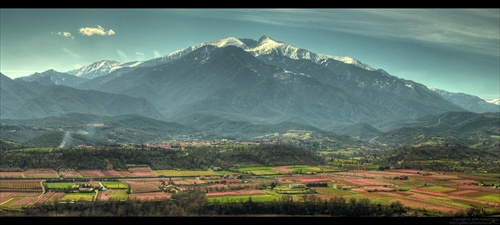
point(247, 82)
point(401, 98)
point(52, 77)
point(12, 94)
point(221, 127)
point(231, 82)
point(359, 130)
point(406, 99)
point(464, 128)
point(469, 102)
point(101, 68)
point(76, 129)
point(59, 100)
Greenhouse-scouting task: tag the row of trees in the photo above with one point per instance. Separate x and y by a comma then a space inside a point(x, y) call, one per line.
point(194, 203)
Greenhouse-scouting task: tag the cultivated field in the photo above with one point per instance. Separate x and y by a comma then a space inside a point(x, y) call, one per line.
point(443, 192)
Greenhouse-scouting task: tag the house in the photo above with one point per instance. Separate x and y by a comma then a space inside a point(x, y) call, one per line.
point(297, 186)
point(86, 188)
point(216, 168)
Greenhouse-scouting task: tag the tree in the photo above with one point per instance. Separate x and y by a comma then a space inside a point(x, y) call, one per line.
point(191, 200)
point(273, 185)
point(475, 211)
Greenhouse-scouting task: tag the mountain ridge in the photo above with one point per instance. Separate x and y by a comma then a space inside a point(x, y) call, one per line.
point(240, 79)
point(469, 102)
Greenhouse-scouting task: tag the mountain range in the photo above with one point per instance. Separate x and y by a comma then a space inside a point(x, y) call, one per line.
point(219, 85)
point(470, 102)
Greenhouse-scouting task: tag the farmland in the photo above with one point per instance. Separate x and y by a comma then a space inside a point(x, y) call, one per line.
point(441, 192)
point(424, 182)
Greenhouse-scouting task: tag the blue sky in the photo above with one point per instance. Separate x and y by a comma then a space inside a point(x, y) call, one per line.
point(457, 50)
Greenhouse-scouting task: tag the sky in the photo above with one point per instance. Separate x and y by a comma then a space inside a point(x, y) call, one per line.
point(457, 50)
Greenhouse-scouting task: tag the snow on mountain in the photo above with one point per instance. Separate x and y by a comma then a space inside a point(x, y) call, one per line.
point(101, 68)
point(495, 101)
point(264, 46)
point(229, 41)
point(349, 60)
point(129, 64)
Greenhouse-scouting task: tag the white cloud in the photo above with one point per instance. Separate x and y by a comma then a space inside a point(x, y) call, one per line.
point(64, 34)
point(89, 31)
point(139, 53)
point(122, 55)
point(157, 53)
point(472, 30)
point(71, 53)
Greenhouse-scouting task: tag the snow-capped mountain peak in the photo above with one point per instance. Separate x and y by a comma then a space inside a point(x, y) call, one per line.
point(267, 45)
point(228, 41)
point(264, 46)
point(95, 69)
point(101, 68)
point(51, 76)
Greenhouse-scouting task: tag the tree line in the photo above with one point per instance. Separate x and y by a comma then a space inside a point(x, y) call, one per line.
point(194, 203)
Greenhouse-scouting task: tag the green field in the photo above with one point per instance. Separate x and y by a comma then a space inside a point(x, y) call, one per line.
point(244, 198)
point(490, 197)
point(59, 185)
point(438, 188)
point(304, 168)
point(259, 170)
point(78, 196)
point(295, 134)
point(268, 170)
point(409, 185)
point(340, 152)
point(119, 194)
point(334, 191)
point(293, 191)
point(114, 184)
point(255, 168)
point(185, 173)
